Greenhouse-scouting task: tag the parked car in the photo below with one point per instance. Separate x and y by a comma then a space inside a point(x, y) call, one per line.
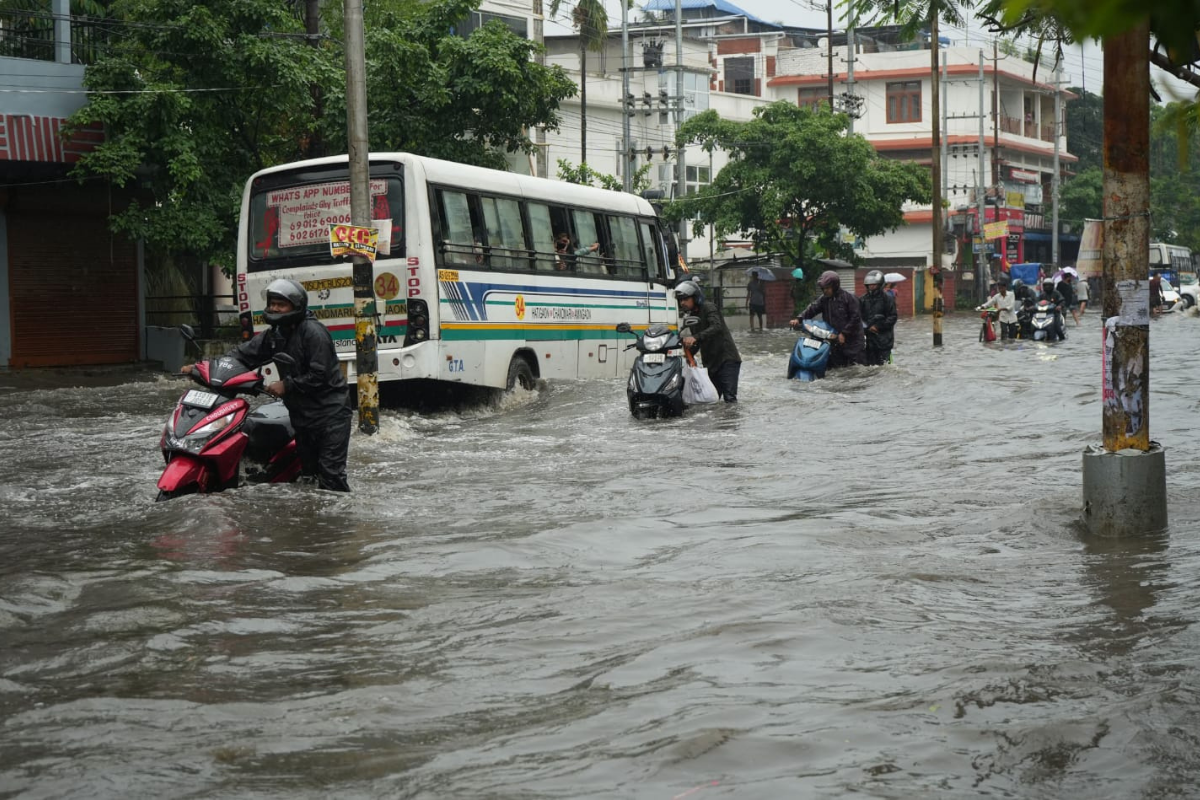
point(1170, 296)
point(1189, 289)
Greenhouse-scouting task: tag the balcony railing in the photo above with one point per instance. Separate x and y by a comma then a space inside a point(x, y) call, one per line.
point(1028, 129)
point(30, 34)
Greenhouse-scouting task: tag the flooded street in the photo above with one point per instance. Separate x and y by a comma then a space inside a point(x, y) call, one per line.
point(872, 585)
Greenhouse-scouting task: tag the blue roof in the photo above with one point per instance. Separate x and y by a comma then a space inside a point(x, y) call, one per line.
point(723, 6)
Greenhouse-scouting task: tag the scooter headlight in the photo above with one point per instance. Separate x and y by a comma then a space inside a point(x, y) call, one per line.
point(655, 343)
point(196, 439)
point(672, 383)
point(632, 383)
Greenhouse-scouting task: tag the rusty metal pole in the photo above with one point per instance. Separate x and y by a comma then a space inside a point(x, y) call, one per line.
point(936, 167)
point(366, 352)
point(1124, 480)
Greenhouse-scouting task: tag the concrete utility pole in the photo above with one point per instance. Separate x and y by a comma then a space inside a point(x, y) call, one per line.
point(1124, 480)
point(829, 47)
point(936, 167)
point(1054, 180)
point(981, 204)
point(680, 161)
point(851, 110)
point(626, 104)
point(367, 356)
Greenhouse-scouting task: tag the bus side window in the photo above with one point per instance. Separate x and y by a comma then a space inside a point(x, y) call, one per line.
point(541, 235)
point(505, 234)
point(626, 258)
point(652, 256)
point(460, 242)
point(587, 233)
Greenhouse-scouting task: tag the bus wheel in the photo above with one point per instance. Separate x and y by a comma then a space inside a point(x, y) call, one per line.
point(519, 371)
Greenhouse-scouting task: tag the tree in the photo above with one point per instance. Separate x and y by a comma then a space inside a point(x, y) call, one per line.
point(795, 175)
point(195, 95)
point(1085, 128)
point(586, 176)
point(590, 21)
point(1082, 197)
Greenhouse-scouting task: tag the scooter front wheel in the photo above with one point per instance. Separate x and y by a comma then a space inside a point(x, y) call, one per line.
point(164, 495)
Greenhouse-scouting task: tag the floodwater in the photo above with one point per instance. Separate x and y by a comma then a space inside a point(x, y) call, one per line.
point(873, 585)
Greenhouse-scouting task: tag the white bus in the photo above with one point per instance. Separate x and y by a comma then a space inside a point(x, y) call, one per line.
point(1170, 257)
point(468, 285)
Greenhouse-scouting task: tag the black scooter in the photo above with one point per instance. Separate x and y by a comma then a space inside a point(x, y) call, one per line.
point(655, 387)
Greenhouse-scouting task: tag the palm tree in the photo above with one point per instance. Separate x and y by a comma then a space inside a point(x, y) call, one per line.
point(590, 21)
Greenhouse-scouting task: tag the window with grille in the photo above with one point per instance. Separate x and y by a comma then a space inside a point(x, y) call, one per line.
point(739, 75)
point(904, 101)
point(813, 98)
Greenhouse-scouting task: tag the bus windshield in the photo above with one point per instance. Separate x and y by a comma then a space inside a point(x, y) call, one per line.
point(290, 214)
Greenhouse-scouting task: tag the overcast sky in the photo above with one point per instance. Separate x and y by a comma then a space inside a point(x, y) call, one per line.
point(1082, 65)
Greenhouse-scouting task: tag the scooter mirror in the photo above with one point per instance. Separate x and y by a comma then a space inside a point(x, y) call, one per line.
point(690, 321)
point(187, 332)
point(623, 327)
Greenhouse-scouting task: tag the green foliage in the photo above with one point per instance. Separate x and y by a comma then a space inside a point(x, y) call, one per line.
point(586, 176)
point(1081, 197)
point(1085, 128)
point(1172, 22)
point(195, 95)
point(794, 175)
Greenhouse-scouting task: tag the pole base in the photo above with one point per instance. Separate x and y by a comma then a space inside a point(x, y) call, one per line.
point(1124, 492)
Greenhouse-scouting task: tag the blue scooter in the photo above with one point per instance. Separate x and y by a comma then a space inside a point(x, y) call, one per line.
point(810, 356)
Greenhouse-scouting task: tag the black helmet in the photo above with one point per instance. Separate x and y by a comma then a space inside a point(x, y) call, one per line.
point(874, 278)
point(1017, 284)
point(829, 278)
point(689, 289)
point(292, 292)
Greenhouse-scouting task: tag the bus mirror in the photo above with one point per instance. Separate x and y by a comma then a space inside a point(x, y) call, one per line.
point(623, 327)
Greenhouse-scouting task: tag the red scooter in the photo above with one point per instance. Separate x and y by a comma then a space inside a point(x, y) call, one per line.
point(213, 437)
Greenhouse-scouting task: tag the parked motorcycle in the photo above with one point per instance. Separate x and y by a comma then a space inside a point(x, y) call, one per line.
point(1044, 321)
point(213, 439)
point(810, 356)
point(655, 387)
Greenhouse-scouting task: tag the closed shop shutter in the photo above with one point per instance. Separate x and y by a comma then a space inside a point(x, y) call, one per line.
point(73, 288)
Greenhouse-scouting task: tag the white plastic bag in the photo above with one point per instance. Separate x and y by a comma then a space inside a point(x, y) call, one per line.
point(697, 386)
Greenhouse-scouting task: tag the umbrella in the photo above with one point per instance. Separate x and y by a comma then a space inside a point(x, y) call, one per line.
point(762, 272)
point(798, 274)
point(893, 277)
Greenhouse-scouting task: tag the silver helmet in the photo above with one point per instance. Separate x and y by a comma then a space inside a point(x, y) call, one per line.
point(290, 291)
point(874, 278)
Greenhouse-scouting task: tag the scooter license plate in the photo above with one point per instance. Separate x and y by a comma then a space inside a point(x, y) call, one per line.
point(814, 343)
point(200, 399)
point(654, 358)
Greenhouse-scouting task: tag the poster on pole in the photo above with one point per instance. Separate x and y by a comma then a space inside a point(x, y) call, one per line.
point(1135, 302)
point(995, 230)
point(350, 239)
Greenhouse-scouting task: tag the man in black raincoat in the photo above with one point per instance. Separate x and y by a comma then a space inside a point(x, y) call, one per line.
point(313, 388)
point(840, 311)
point(878, 311)
point(717, 350)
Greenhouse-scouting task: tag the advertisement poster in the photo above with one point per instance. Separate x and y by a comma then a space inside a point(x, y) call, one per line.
point(307, 212)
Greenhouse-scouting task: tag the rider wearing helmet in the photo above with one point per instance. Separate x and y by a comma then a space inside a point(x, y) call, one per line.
point(1050, 294)
point(719, 353)
point(841, 312)
point(878, 311)
point(313, 388)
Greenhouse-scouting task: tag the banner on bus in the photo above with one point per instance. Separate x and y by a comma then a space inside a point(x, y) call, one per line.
point(305, 212)
point(350, 239)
